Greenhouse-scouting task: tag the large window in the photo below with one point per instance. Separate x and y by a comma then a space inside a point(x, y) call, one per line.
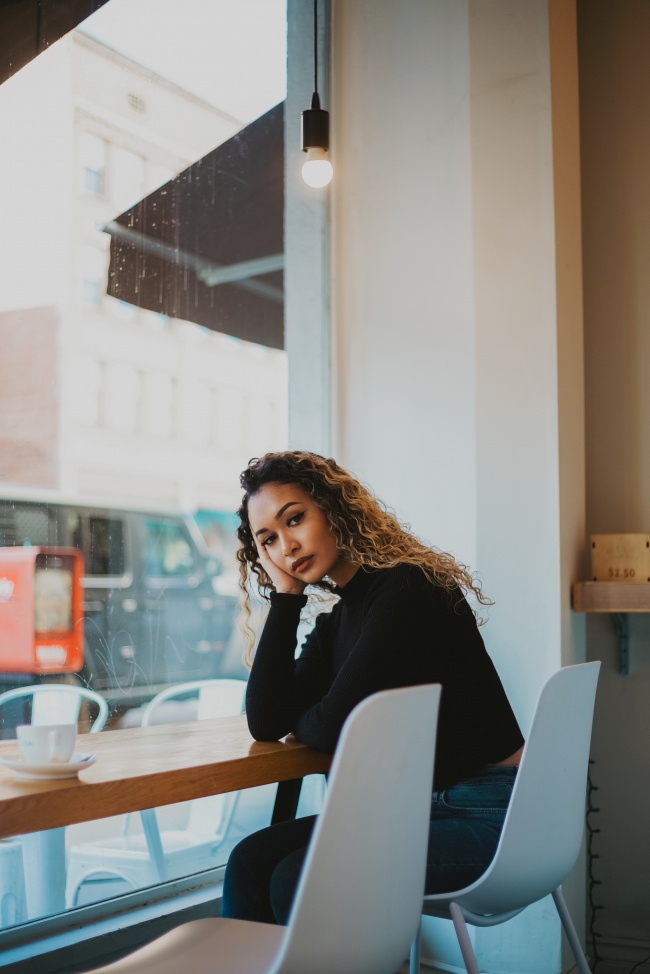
point(167, 550)
point(150, 377)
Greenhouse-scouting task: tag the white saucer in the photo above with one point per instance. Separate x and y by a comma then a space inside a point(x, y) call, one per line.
point(63, 769)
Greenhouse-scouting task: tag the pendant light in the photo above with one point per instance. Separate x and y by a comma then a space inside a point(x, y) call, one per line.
point(317, 170)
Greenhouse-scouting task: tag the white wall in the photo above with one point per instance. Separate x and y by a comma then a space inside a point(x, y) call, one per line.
point(451, 353)
point(403, 288)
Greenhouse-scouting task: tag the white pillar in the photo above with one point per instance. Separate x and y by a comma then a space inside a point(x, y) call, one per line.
point(457, 318)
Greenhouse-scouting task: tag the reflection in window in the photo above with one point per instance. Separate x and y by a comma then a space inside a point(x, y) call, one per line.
point(142, 411)
point(26, 524)
point(230, 409)
point(53, 593)
point(167, 551)
point(128, 178)
point(103, 547)
point(260, 416)
point(197, 409)
point(92, 155)
point(136, 102)
point(93, 271)
point(88, 381)
point(159, 176)
point(122, 309)
point(121, 395)
point(158, 404)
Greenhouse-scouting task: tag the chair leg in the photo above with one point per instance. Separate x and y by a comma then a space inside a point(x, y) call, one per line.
point(570, 932)
point(471, 964)
point(414, 962)
point(154, 845)
point(44, 852)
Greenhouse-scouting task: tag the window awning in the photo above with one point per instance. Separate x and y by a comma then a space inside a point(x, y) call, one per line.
point(208, 245)
point(28, 27)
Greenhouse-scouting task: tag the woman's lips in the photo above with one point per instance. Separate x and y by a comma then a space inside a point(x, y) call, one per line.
point(301, 564)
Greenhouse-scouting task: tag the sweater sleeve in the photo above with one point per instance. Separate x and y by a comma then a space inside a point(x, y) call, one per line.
point(280, 688)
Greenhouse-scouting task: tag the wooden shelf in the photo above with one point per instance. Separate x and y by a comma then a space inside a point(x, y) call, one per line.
point(611, 597)
point(618, 599)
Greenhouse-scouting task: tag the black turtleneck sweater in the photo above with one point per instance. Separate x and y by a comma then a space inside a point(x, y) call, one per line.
point(391, 628)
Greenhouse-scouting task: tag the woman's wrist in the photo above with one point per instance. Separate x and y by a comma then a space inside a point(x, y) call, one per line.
point(288, 598)
point(291, 590)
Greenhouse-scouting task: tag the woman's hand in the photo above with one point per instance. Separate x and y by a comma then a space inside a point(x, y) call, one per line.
point(282, 581)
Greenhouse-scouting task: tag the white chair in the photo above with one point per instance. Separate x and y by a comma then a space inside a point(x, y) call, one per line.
point(359, 898)
point(13, 906)
point(57, 703)
point(148, 857)
point(544, 824)
point(44, 703)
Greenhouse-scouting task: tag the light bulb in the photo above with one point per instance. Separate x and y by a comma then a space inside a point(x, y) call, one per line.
point(317, 171)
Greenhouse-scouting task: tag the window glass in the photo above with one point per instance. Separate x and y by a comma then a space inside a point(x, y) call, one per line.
point(168, 553)
point(92, 155)
point(88, 386)
point(133, 413)
point(158, 175)
point(123, 309)
point(92, 270)
point(104, 547)
point(53, 580)
point(229, 418)
point(128, 178)
point(197, 409)
point(26, 524)
point(158, 404)
point(121, 396)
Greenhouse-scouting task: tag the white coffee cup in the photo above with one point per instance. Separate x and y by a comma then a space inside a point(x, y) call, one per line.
point(46, 743)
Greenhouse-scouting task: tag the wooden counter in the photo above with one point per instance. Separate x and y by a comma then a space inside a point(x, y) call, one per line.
point(144, 767)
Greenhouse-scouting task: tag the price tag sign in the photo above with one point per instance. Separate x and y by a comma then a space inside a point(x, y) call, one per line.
point(620, 558)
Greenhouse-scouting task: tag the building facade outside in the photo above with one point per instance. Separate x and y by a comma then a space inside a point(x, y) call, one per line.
point(104, 403)
point(100, 399)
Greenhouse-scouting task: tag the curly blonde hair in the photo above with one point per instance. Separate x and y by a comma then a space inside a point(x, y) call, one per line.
point(366, 531)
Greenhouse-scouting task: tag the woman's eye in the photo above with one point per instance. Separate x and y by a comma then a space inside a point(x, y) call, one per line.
point(269, 539)
point(295, 519)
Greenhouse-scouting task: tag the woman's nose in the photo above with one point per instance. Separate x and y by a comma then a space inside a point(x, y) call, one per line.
point(289, 545)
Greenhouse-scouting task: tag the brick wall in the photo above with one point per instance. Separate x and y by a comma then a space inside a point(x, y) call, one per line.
point(29, 403)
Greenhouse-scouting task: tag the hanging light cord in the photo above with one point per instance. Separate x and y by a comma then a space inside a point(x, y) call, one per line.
point(39, 28)
point(315, 45)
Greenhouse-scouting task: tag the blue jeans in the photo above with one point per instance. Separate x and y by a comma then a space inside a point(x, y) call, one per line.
point(466, 821)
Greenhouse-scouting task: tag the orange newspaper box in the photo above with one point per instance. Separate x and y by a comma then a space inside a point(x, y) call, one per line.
point(41, 610)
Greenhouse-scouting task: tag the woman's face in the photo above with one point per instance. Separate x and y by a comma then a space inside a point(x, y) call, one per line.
point(296, 536)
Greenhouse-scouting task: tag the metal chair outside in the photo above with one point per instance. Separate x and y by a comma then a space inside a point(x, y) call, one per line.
point(153, 856)
point(51, 703)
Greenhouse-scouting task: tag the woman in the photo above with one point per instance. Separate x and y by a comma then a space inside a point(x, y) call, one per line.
point(401, 619)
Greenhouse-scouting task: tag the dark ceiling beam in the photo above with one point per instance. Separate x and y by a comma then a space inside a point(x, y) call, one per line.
point(28, 27)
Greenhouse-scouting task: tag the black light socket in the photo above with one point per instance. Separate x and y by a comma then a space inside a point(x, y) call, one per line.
point(315, 126)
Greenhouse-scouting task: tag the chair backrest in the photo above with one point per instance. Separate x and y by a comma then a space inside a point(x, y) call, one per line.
point(359, 899)
point(216, 698)
point(544, 824)
point(59, 703)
